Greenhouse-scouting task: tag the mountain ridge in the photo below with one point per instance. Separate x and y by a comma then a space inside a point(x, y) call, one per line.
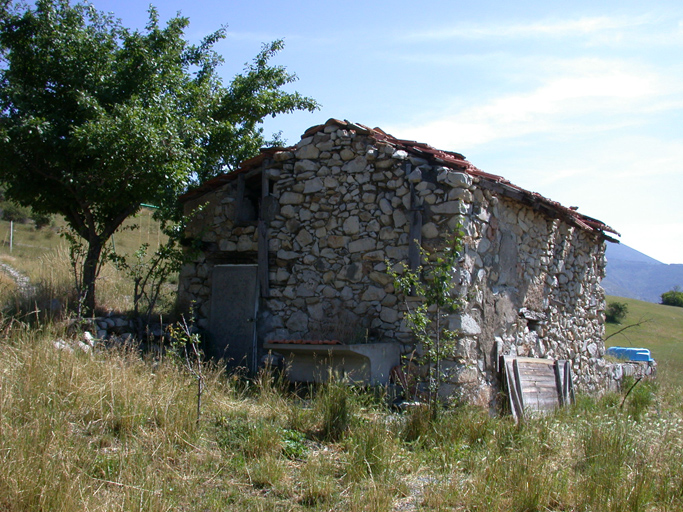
point(632, 274)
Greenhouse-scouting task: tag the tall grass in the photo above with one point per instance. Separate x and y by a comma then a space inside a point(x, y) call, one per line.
point(112, 430)
point(76, 430)
point(117, 430)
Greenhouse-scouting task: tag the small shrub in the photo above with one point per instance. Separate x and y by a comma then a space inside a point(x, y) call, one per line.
point(240, 433)
point(673, 298)
point(369, 448)
point(42, 220)
point(418, 423)
point(616, 312)
point(319, 486)
point(639, 396)
point(294, 444)
point(15, 213)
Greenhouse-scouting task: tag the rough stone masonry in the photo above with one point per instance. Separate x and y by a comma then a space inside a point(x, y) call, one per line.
point(332, 209)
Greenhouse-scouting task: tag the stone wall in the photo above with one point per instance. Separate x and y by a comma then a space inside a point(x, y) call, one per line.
point(343, 202)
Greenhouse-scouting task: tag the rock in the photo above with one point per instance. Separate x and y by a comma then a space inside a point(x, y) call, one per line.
point(62, 345)
point(346, 154)
point(362, 245)
point(308, 152)
point(415, 176)
point(298, 322)
point(356, 165)
point(89, 339)
point(373, 294)
point(304, 238)
point(400, 219)
point(381, 278)
point(335, 241)
point(351, 225)
point(303, 166)
point(455, 179)
point(314, 185)
point(430, 230)
point(465, 324)
point(291, 198)
point(385, 206)
point(388, 315)
point(282, 156)
point(450, 207)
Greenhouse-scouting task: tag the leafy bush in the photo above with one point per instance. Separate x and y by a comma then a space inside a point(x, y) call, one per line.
point(42, 220)
point(673, 298)
point(616, 312)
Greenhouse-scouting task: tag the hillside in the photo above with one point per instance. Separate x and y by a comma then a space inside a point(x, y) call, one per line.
point(662, 333)
point(632, 274)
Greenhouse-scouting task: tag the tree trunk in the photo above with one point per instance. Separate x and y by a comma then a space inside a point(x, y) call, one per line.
point(90, 270)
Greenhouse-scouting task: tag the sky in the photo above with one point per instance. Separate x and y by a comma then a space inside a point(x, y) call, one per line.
point(579, 101)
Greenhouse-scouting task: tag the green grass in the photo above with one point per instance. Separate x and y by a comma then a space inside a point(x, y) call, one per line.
point(662, 333)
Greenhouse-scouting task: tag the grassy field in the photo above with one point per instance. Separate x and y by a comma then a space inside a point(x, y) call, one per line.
point(31, 246)
point(112, 431)
point(661, 332)
point(43, 256)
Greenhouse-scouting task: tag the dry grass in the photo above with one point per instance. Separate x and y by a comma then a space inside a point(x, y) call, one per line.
point(114, 431)
point(43, 256)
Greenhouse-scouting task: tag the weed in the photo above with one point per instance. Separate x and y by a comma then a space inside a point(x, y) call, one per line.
point(333, 404)
point(294, 444)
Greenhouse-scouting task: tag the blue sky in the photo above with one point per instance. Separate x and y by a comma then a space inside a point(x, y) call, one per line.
point(579, 101)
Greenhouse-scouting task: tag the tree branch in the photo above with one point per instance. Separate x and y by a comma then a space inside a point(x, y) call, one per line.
point(641, 322)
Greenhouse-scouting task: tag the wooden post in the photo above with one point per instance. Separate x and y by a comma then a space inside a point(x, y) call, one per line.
point(11, 235)
point(559, 370)
point(263, 258)
point(518, 387)
point(239, 204)
point(568, 388)
point(263, 237)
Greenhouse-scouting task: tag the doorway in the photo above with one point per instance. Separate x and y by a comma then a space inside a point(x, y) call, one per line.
point(232, 325)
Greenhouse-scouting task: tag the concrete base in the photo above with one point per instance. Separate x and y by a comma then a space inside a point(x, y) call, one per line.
point(368, 363)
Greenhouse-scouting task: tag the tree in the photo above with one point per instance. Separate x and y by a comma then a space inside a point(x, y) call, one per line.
point(96, 119)
point(616, 312)
point(433, 282)
point(673, 298)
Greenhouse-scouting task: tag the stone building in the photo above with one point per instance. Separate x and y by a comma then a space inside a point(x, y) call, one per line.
point(294, 245)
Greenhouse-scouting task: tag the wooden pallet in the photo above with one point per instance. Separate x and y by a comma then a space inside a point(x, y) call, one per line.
point(536, 386)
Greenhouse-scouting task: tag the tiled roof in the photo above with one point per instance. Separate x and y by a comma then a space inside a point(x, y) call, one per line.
point(449, 159)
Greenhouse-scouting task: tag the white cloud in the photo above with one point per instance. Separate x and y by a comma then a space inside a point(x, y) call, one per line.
point(543, 28)
point(583, 94)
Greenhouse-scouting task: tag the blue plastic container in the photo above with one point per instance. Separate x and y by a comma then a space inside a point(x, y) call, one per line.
point(630, 354)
